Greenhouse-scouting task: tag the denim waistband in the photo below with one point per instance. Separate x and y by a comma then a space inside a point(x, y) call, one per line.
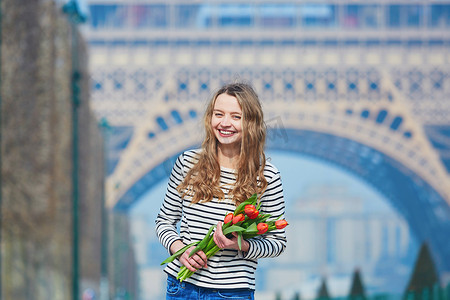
point(184, 283)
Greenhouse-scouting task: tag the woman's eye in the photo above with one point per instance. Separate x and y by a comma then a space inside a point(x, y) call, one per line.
point(237, 117)
point(218, 114)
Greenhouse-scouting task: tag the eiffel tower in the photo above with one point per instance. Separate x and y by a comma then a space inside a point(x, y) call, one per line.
point(365, 86)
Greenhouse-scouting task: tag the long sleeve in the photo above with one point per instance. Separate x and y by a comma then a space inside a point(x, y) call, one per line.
point(171, 209)
point(271, 244)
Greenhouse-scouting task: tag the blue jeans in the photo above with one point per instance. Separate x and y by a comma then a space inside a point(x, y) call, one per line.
point(183, 290)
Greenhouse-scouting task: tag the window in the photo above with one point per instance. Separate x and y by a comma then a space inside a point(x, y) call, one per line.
point(187, 16)
point(361, 16)
point(150, 16)
point(440, 16)
point(393, 16)
point(413, 15)
point(128, 16)
point(235, 15)
point(104, 16)
point(277, 15)
point(400, 16)
point(318, 15)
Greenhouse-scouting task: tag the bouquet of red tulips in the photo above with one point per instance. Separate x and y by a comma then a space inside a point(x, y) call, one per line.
point(246, 221)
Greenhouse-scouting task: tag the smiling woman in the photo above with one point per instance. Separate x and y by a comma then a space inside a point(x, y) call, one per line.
point(227, 126)
point(206, 184)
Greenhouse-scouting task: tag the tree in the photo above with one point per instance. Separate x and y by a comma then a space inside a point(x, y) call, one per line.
point(424, 276)
point(322, 294)
point(278, 296)
point(357, 288)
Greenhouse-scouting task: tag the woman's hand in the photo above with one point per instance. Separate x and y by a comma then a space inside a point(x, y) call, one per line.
point(197, 261)
point(225, 243)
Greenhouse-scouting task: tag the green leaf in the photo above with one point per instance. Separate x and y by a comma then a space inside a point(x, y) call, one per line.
point(203, 242)
point(240, 240)
point(247, 222)
point(233, 228)
point(247, 236)
point(251, 229)
point(258, 207)
point(264, 218)
point(178, 253)
point(240, 208)
point(210, 244)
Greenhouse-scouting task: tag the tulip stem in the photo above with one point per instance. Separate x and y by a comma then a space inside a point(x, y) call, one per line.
point(185, 273)
point(212, 251)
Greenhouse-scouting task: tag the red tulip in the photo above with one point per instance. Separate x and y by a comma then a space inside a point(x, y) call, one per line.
point(238, 218)
point(251, 212)
point(249, 209)
point(228, 218)
point(280, 224)
point(254, 215)
point(262, 228)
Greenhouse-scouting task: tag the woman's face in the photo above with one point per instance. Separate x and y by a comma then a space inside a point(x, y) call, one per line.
point(226, 121)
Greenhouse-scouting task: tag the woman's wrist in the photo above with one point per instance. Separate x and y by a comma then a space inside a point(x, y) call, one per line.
point(245, 246)
point(177, 245)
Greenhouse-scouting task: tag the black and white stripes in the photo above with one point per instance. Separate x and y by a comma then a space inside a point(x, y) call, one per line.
point(228, 268)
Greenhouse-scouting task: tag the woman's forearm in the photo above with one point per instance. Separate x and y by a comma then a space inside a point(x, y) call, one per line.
point(177, 245)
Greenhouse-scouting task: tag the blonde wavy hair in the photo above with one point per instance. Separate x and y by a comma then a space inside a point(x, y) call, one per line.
point(202, 182)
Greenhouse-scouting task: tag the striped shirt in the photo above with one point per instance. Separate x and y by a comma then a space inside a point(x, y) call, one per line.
point(227, 269)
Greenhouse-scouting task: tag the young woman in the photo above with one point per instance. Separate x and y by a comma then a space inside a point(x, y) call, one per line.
point(208, 183)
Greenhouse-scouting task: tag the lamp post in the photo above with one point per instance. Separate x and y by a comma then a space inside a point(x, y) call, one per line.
point(1, 211)
point(104, 284)
point(75, 17)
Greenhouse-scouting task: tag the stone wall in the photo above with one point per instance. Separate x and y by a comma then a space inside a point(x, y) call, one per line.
point(36, 156)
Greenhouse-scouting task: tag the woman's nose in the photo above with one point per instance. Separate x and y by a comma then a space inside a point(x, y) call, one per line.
point(225, 121)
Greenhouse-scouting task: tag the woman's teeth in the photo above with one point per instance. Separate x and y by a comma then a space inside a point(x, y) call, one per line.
point(226, 132)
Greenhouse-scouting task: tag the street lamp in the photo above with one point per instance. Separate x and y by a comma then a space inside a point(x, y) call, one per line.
point(1, 215)
point(104, 284)
point(75, 17)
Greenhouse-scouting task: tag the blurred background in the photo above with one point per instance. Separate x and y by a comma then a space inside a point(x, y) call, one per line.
point(99, 97)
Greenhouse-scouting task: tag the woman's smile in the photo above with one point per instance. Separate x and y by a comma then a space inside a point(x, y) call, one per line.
point(226, 133)
point(226, 121)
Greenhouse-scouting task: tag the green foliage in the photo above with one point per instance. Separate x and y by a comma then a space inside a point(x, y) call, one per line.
point(357, 288)
point(278, 296)
point(323, 294)
point(424, 276)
